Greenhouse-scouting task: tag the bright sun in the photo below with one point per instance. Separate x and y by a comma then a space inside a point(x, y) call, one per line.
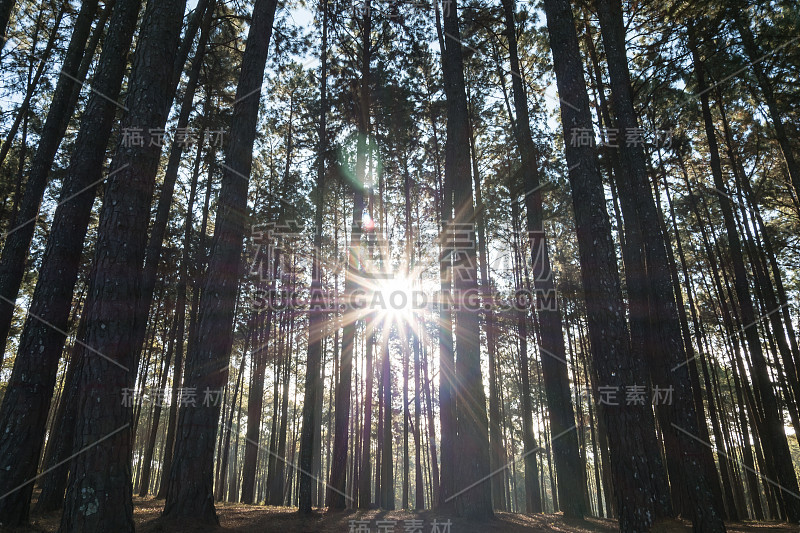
point(394, 299)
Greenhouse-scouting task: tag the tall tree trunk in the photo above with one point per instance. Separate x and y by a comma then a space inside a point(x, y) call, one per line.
point(336, 496)
point(254, 413)
point(314, 386)
point(147, 459)
point(406, 333)
point(729, 512)
point(255, 403)
point(387, 476)
point(191, 479)
point(434, 460)
point(233, 477)
point(666, 354)
point(76, 64)
point(364, 492)
point(447, 403)
point(180, 319)
point(732, 512)
point(495, 435)
point(748, 455)
point(180, 314)
point(419, 486)
point(556, 379)
point(204, 11)
point(533, 499)
point(23, 414)
point(102, 479)
point(474, 497)
point(608, 330)
point(273, 434)
point(776, 443)
point(54, 482)
point(224, 456)
point(337, 484)
point(363, 495)
point(276, 488)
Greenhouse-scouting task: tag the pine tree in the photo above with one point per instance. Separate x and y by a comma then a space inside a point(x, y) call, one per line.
point(472, 492)
point(776, 441)
point(25, 405)
point(103, 480)
point(336, 496)
point(556, 379)
point(314, 384)
point(191, 478)
point(608, 329)
point(65, 97)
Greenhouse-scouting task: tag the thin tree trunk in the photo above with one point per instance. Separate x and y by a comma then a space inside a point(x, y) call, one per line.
point(434, 459)
point(32, 82)
point(309, 436)
point(533, 499)
point(755, 55)
point(777, 445)
point(147, 459)
point(277, 485)
point(495, 438)
point(387, 476)
point(65, 97)
point(556, 380)
point(204, 11)
point(447, 402)
point(364, 490)
point(190, 492)
point(224, 457)
point(336, 499)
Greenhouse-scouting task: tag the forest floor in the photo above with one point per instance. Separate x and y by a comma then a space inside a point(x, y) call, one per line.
point(242, 518)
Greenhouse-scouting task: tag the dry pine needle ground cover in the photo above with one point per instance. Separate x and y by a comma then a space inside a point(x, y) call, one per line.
point(258, 518)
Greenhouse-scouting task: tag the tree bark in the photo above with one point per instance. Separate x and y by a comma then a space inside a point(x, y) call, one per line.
point(556, 380)
point(26, 403)
point(204, 11)
point(101, 480)
point(54, 482)
point(6, 6)
point(150, 446)
point(364, 492)
point(191, 479)
point(387, 458)
point(533, 499)
point(666, 354)
point(608, 330)
point(314, 384)
point(336, 499)
point(473, 496)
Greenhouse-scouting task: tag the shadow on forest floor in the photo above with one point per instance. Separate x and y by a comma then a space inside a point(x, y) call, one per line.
point(258, 518)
